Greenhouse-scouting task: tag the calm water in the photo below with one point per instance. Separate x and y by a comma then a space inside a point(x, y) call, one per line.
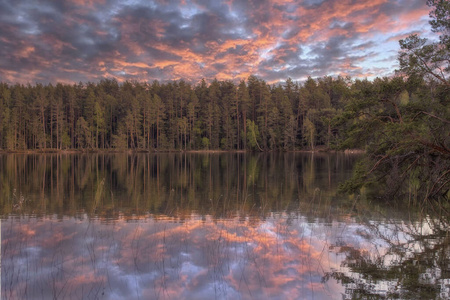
point(210, 226)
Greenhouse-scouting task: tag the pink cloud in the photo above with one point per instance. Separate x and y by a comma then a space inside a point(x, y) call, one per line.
point(226, 40)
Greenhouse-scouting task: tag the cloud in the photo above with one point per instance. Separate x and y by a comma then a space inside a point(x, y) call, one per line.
point(86, 40)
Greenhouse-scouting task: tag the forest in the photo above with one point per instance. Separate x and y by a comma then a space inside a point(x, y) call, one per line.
point(253, 115)
point(401, 122)
point(178, 116)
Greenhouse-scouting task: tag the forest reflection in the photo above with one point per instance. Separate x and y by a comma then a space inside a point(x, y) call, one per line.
point(174, 184)
point(211, 226)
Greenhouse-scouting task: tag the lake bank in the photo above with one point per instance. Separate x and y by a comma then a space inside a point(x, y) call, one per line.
point(131, 151)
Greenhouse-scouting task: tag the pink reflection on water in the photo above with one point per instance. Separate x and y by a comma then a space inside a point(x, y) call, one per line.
point(200, 258)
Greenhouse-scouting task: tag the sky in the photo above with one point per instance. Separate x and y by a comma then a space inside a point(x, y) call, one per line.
point(70, 41)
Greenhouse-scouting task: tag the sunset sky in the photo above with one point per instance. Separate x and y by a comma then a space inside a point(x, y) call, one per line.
point(69, 41)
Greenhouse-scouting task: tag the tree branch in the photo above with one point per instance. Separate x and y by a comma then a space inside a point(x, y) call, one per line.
point(428, 70)
point(440, 177)
point(375, 166)
point(436, 117)
point(397, 110)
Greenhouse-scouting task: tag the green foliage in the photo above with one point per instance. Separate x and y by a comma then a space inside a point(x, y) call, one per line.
point(253, 135)
point(310, 132)
point(404, 123)
point(169, 116)
point(419, 56)
point(205, 142)
point(400, 138)
point(119, 140)
point(65, 140)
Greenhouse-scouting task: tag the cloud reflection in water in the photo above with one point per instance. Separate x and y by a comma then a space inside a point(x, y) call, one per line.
point(281, 257)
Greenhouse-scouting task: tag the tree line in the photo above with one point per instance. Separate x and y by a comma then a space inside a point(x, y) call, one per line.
point(251, 115)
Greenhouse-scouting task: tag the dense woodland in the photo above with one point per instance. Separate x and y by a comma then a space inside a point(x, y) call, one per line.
point(222, 115)
point(178, 116)
point(402, 122)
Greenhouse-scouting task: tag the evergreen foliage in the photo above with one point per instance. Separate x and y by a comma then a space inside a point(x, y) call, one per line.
point(168, 116)
point(404, 122)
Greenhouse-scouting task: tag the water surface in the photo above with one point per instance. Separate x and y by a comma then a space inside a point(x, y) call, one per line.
point(210, 226)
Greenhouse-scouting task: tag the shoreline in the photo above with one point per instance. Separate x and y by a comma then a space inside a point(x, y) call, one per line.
point(136, 151)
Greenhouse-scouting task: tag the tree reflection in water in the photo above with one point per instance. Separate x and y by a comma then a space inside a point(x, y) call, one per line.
point(400, 259)
point(223, 226)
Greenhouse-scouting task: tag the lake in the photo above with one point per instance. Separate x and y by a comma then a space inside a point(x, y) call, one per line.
point(211, 226)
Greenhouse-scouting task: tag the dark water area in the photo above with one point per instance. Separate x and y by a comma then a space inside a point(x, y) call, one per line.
point(211, 226)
